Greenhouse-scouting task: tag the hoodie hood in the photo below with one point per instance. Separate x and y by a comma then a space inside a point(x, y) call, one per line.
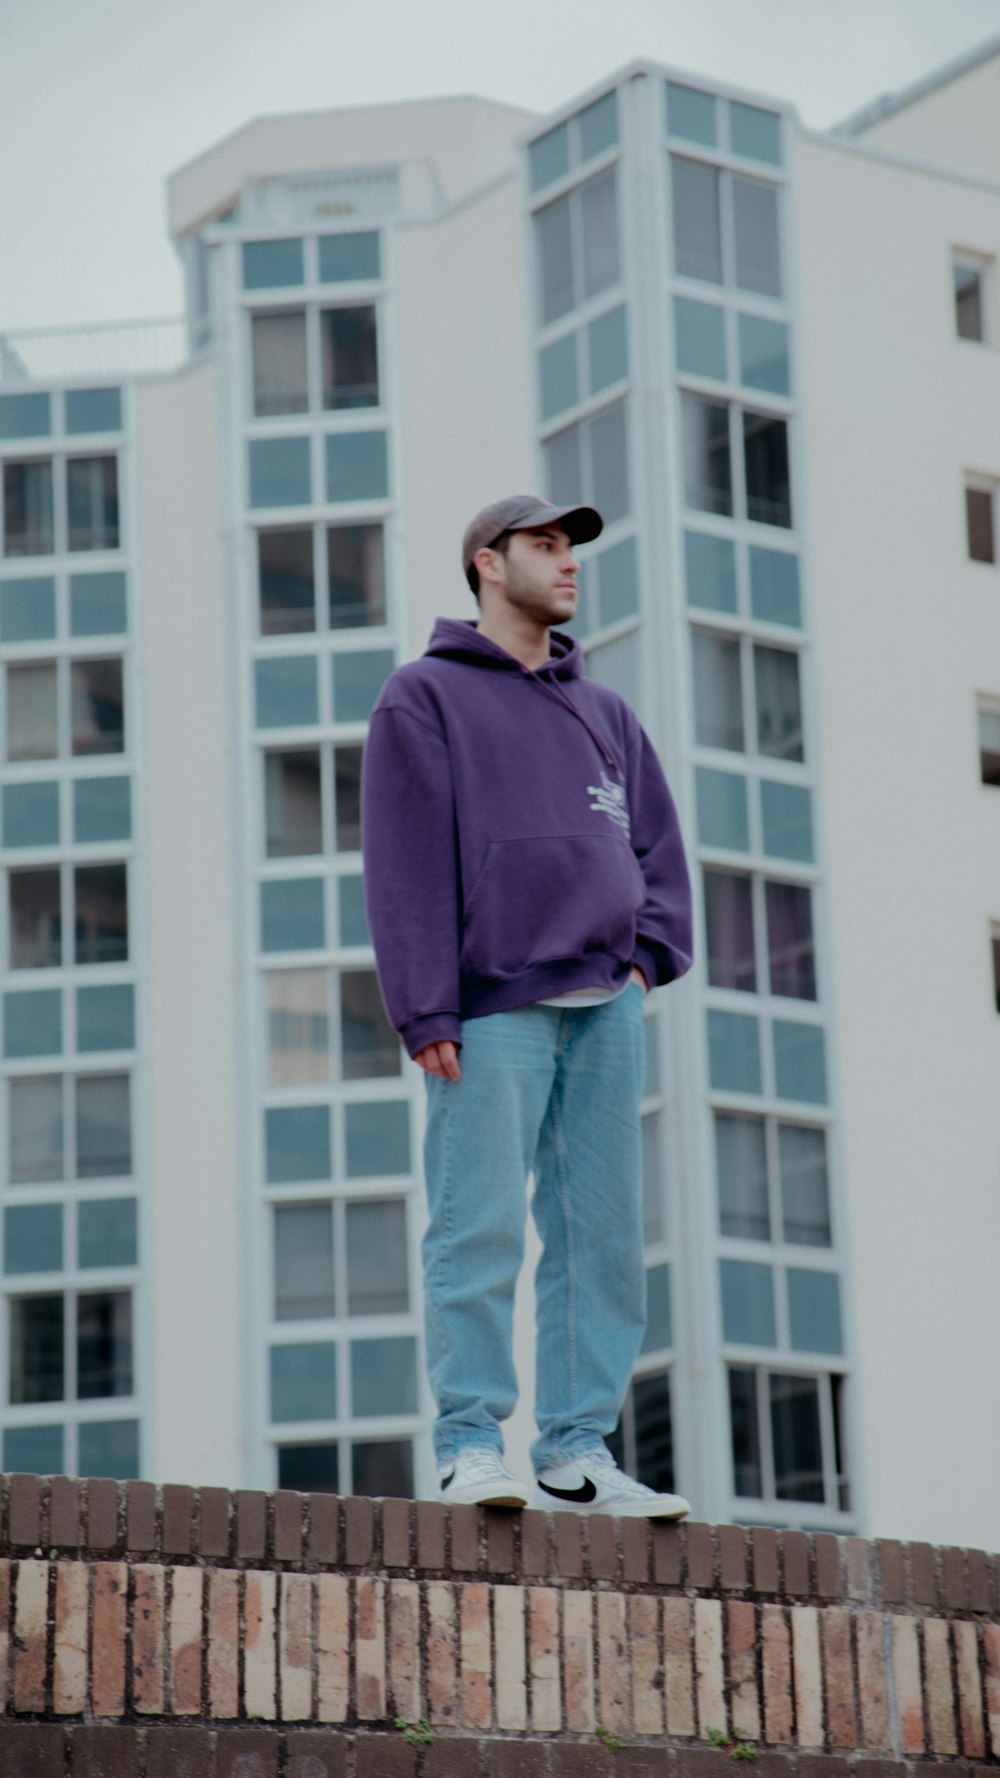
point(458, 639)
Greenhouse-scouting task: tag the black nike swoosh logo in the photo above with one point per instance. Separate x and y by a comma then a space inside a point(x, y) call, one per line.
point(446, 1480)
point(584, 1494)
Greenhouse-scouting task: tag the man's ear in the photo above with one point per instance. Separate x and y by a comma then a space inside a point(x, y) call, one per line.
point(486, 561)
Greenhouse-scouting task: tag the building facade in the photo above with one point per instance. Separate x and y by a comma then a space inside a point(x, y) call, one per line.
point(770, 357)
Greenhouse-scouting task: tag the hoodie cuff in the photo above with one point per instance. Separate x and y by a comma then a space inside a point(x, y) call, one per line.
point(645, 959)
point(436, 1027)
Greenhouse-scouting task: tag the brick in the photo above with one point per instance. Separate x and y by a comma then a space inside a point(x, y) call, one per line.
point(668, 1552)
point(838, 1680)
point(396, 1533)
point(873, 1694)
point(578, 1661)
point(677, 1651)
point(287, 1526)
point(709, 1683)
point(464, 1525)
point(107, 1643)
point(296, 1647)
point(764, 1544)
point(475, 1656)
point(732, 1556)
point(858, 1552)
point(369, 1648)
point(247, 1753)
point(213, 1523)
point(970, 1690)
point(178, 1752)
point(404, 1649)
point(567, 1531)
point(25, 1510)
point(333, 1679)
point(516, 1759)
point(140, 1517)
point(744, 1701)
point(259, 1644)
point(906, 1678)
point(451, 1759)
point(698, 1549)
point(102, 1514)
point(147, 1640)
point(430, 1534)
point(776, 1669)
point(384, 1756)
point(808, 1677)
point(602, 1550)
point(826, 1549)
point(644, 1663)
point(324, 1527)
point(795, 1556)
point(178, 1514)
point(578, 1762)
point(953, 1579)
point(499, 1541)
point(185, 1641)
point(69, 1675)
point(33, 1750)
point(511, 1701)
point(938, 1683)
point(612, 1662)
point(359, 1531)
point(980, 1588)
point(635, 1549)
point(251, 1525)
point(224, 1643)
point(317, 1753)
point(5, 1593)
point(30, 1634)
point(889, 1564)
point(64, 1513)
point(991, 1679)
point(543, 1659)
point(110, 1751)
point(534, 1527)
point(923, 1579)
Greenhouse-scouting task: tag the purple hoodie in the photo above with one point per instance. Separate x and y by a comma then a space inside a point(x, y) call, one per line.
point(519, 837)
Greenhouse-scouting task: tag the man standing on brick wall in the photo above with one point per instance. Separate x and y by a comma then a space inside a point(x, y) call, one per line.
point(526, 887)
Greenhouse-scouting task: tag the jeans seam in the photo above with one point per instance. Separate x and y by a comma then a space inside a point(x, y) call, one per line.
point(564, 1199)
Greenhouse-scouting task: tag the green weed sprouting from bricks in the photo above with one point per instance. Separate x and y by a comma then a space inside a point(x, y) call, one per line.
point(609, 1739)
point(739, 1747)
point(415, 1734)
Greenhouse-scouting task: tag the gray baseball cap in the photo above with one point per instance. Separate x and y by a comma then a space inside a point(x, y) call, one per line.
point(526, 512)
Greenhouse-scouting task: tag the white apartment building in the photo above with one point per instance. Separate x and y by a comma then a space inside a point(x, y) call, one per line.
point(770, 356)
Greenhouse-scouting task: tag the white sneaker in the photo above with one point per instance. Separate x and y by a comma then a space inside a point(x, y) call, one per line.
point(478, 1478)
point(593, 1483)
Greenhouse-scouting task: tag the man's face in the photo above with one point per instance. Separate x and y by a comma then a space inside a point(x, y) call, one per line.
point(539, 574)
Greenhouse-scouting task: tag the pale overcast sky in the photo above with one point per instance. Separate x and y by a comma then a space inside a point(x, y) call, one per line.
point(101, 99)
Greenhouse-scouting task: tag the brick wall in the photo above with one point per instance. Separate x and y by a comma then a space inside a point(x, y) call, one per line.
point(175, 1633)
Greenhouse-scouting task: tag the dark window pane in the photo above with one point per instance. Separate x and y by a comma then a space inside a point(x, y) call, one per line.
point(745, 1434)
point(805, 1196)
point(104, 1344)
point(27, 509)
point(280, 376)
point(790, 940)
point(708, 483)
point(97, 604)
point(108, 1234)
point(755, 233)
point(609, 463)
point(92, 502)
point(697, 237)
point(995, 947)
point(654, 1437)
point(377, 1272)
point(350, 357)
point(729, 931)
point(103, 1126)
point(741, 1162)
point(293, 810)
point(101, 913)
point(28, 609)
point(36, 1129)
point(356, 570)
point(555, 259)
point(795, 1432)
point(303, 1262)
point(32, 711)
point(383, 1468)
point(37, 1367)
point(599, 227)
point(989, 744)
point(979, 524)
point(35, 920)
point(309, 1469)
point(93, 410)
point(549, 156)
point(30, 814)
point(285, 582)
point(765, 457)
point(779, 702)
point(968, 301)
point(348, 794)
point(98, 706)
point(718, 696)
point(272, 265)
point(369, 1046)
point(347, 259)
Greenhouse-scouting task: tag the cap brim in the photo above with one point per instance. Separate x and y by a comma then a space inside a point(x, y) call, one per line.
point(580, 523)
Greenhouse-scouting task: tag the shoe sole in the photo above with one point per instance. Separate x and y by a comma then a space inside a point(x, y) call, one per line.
point(622, 1509)
point(484, 1496)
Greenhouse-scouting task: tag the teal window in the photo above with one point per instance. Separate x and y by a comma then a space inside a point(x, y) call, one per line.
point(105, 1018)
point(774, 586)
point(31, 815)
point(272, 265)
point(549, 157)
point(755, 132)
point(598, 126)
point(34, 1450)
point(103, 1126)
point(102, 809)
point(109, 1448)
point(97, 604)
point(377, 1272)
point(786, 819)
point(691, 114)
point(304, 1381)
point(33, 1238)
point(718, 697)
point(764, 354)
point(93, 410)
point(349, 259)
point(378, 1139)
point(35, 1138)
point(286, 691)
point(659, 1323)
point(607, 349)
point(710, 571)
point(28, 609)
point(32, 1024)
point(755, 236)
point(747, 1303)
point(291, 915)
point(814, 1311)
point(558, 378)
point(107, 1232)
point(353, 919)
point(303, 1262)
point(617, 583)
point(383, 1377)
point(358, 677)
point(297, 1143)
point(700, 332)
point(697, 219)
point(357, 466)
point(734, 1052)
point(741, 1173)
point(279, 472)
point(616, 664)
point(799, 1062)
point(721, 799)
point(25, 416)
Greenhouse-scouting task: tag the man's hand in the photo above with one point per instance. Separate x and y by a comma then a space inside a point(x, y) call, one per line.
point(637, 976)
point(440, 1059)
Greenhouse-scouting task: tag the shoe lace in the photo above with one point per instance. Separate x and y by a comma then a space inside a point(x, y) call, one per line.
point(479, 1465)
point(624, 1484)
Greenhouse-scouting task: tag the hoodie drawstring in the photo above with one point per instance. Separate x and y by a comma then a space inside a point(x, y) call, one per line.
point(556, 692)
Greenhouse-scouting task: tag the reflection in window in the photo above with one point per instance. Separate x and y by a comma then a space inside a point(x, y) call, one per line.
point(350, 357)
point(92, 502)
point(795, 1434)
point(27, 509)
point(765, 459)
point(280, 374)
point(32, 711)
point(589, 461)
point(36, 1129)
point(779, 702)
point(729, 930)
point(100, 920)
point(356, 571)
point(790, 940)
point(718, 698)
point(642, 1442)
point(383, 1468)
point(298, 1025)
point(104, 1344)
point(745, 1433)
point(293, 809)
point(309, 1469)
point(303, 1262)
point(377, 1273)
point(741, 1169)
point(37, 1361)
point(369, 1046)
point(708, 485)
point(285, 582)
point(103, 1126)
point(980, 525)
point(98, 710)
point(35, 919)
point(577, 239)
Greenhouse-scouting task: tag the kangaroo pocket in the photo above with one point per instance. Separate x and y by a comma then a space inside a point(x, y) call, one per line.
point(538, 900)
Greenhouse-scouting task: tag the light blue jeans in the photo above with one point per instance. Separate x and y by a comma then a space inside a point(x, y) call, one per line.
point(555, 1090)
